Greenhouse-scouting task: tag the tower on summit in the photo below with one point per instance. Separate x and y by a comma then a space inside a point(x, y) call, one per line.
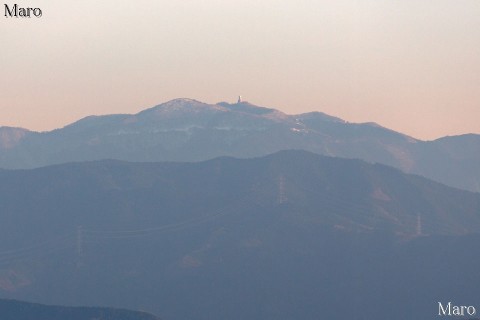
point(239, 99)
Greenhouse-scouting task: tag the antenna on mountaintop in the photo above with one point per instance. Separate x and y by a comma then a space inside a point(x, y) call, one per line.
point(239, 99)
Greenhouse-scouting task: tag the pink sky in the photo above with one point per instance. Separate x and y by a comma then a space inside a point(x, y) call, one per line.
point(412, 66)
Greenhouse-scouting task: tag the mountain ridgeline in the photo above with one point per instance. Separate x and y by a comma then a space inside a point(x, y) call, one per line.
point(292, 235)
point(188, 130)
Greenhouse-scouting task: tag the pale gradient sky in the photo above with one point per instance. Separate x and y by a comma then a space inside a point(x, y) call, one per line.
point(410, 65)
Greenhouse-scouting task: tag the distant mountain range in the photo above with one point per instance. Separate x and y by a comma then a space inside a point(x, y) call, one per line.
point(17, 310)
point(189, 130)
point(292, 235)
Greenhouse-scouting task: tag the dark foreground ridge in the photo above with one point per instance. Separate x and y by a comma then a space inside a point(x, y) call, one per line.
point(17, 310)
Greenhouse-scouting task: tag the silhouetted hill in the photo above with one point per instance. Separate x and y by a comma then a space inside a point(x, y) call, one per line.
point(189, 130)
point(292, 235)
point(17, 310)
point(349, 193)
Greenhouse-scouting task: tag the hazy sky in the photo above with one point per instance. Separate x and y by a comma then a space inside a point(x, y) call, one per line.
point(410, 65)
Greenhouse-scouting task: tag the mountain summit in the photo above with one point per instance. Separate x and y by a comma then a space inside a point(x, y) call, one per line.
point(190, 130)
